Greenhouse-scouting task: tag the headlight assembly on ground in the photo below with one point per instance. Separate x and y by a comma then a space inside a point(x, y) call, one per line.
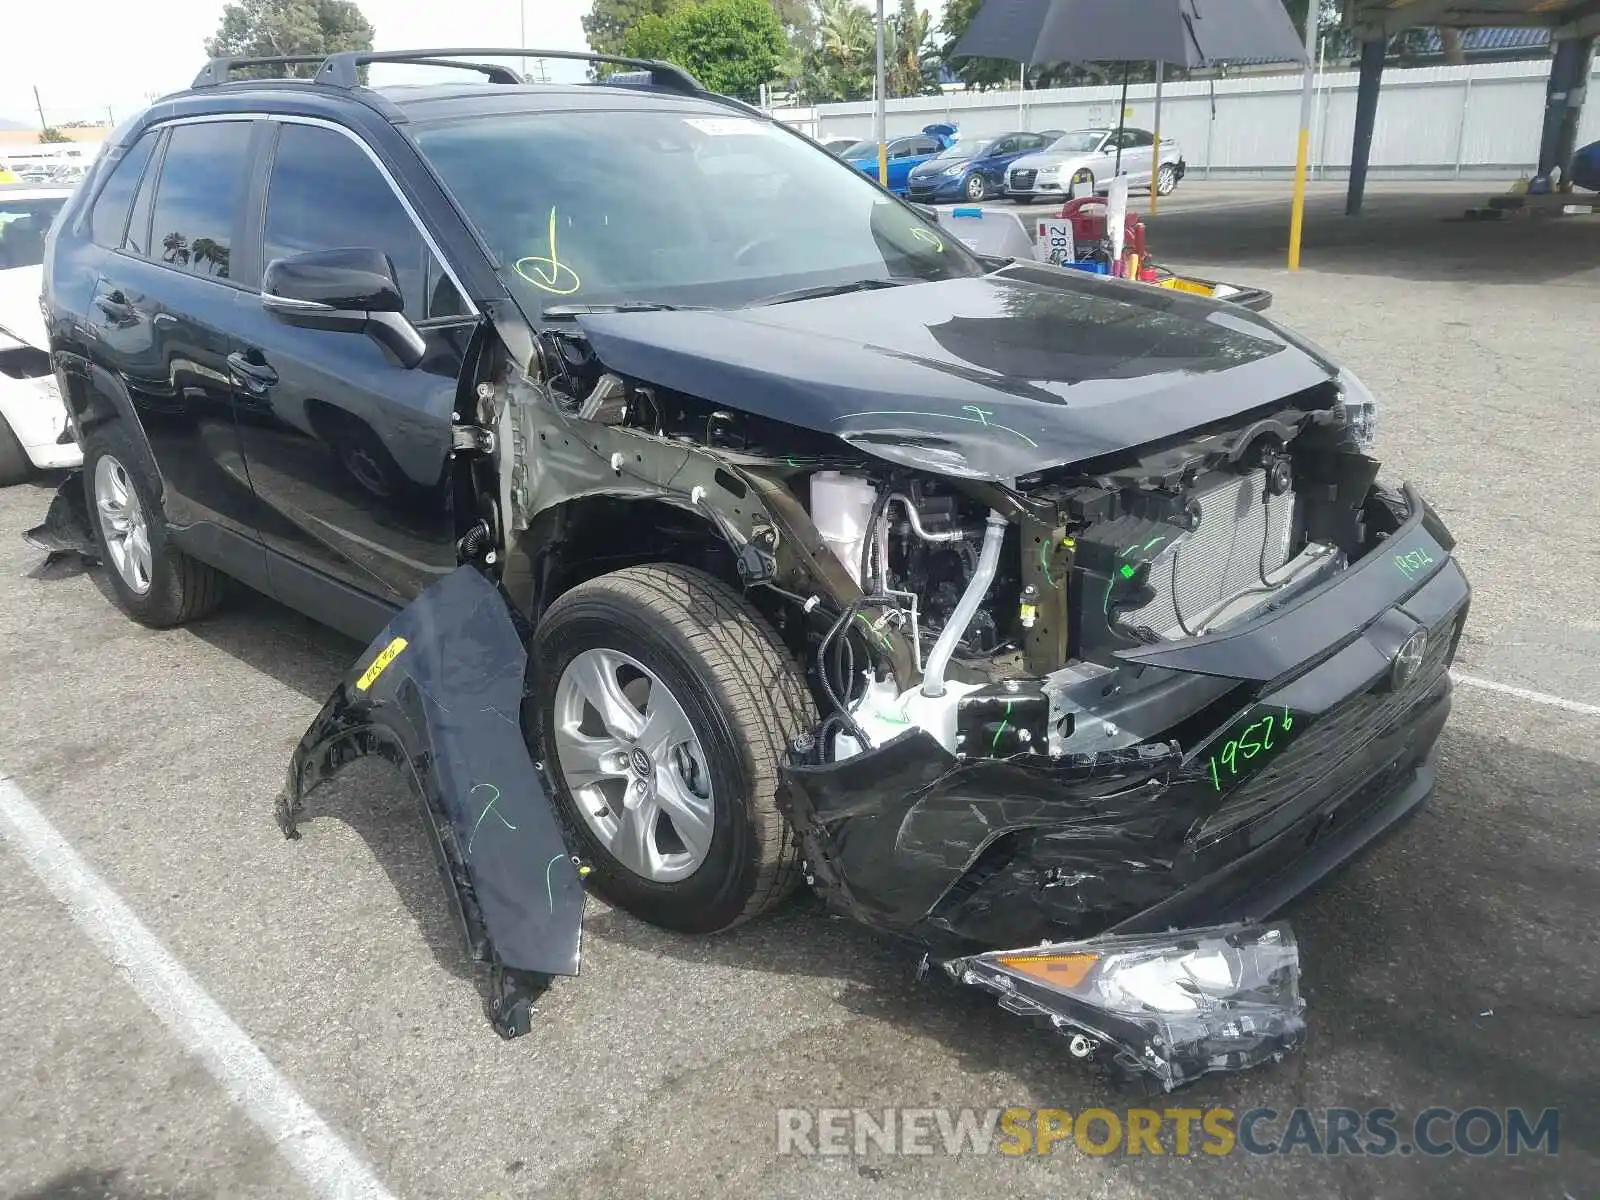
point(1168, 1006)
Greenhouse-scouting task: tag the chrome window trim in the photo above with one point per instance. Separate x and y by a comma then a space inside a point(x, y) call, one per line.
point(394, 186)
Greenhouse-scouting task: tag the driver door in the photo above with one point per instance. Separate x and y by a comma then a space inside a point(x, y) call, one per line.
point(347, 449)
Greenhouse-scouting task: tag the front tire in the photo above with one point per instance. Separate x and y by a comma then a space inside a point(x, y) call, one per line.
point(977, 188)
point(1166, 179)
point(155, 583)
point(665, 704)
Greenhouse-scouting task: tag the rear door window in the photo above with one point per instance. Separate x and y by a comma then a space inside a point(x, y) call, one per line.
point(109, 217)
point(197, 209)
point(327, 194)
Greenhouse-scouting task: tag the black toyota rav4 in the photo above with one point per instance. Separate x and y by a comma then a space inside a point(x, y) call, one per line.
point(1056, 626)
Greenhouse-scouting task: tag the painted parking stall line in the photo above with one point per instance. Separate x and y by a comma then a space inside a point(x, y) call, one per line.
point(1528, 694)
point(328, 1167)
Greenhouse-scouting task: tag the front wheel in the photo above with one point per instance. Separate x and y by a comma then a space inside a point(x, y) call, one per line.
point(666, 706)
point(977, 187)
point(1166, 179)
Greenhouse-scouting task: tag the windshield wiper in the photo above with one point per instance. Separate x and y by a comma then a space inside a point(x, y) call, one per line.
point(832, 289)
point(627, 306)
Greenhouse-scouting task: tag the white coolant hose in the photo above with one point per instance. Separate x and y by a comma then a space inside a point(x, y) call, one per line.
point(977, 588)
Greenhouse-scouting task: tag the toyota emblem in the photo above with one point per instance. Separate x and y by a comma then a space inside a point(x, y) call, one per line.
point(1408, 660)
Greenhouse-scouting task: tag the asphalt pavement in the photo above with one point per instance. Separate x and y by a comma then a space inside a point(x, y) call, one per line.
point(1456, 965)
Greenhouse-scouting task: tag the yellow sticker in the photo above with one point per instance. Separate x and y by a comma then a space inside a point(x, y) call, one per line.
point(385, 656)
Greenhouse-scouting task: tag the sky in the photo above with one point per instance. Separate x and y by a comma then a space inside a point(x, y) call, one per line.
point(90, 56)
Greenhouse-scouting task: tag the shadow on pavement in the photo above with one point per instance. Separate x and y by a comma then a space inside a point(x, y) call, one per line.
point(1422, 237)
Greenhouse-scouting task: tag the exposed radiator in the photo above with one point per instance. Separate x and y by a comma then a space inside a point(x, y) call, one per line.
point(1242, 534)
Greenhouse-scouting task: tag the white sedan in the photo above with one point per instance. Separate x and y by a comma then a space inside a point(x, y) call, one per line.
point(34, 434)
point(1085, 161)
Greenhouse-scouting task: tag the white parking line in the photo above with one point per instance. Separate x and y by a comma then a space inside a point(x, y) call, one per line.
point(1528, 694)
point(327, 1165)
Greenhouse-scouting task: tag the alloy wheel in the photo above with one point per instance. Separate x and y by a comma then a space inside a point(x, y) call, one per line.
point(1166, 180)
point(977, 187)
point(634, 765)
point(123, 524)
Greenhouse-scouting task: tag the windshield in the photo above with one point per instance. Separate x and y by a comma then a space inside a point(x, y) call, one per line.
point(23, 224)
point(966, 149)
point(619, 207)
point(1083, 139)
point(860, 149)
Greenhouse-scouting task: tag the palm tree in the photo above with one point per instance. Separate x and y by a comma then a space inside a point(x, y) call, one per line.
point(846, 31)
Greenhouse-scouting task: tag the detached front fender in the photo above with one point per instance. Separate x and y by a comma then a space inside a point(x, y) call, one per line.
point(439, 695)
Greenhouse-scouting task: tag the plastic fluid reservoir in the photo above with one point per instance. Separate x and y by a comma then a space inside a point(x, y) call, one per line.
point(841, 506)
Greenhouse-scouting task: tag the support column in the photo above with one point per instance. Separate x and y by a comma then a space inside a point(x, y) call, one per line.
point(1372, 54)
point(1563, 105)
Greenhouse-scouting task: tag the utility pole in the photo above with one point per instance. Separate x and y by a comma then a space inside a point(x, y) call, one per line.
point(880, 121)
point(43, 124)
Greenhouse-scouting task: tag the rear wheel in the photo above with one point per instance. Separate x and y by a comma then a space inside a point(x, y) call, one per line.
point(1166, 179)
point(155, 582)
point(14, 464)
point(977, 187)
point(666, 704)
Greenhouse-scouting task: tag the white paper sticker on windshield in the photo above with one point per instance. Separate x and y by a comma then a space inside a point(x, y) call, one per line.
point(726, 126)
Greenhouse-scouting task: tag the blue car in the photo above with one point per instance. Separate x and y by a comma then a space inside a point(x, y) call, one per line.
point(972, 170)
point(904, 154)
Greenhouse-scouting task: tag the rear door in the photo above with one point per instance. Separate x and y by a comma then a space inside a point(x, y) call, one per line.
point(347, 449)
point(163, 305)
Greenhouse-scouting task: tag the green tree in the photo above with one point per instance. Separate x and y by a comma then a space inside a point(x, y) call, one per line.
point(732, 46)
point(606, 25)
point(50, 134)
point(841, 61)
point(257, 28)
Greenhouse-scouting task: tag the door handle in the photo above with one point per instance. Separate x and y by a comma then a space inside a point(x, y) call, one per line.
point(255, 375)
point(114, 305)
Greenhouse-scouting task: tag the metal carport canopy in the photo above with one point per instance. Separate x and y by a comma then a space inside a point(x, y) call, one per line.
point(1573, 25)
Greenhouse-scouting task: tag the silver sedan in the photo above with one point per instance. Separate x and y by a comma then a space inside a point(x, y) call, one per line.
point(1084, 162)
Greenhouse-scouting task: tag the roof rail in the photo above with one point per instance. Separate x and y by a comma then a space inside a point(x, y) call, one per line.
point(342, 69)
point(217, 70)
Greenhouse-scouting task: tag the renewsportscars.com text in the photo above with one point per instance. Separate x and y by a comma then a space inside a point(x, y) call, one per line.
point(1373, 1132)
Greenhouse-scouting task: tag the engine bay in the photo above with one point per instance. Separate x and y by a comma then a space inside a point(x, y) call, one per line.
point(1016, 625)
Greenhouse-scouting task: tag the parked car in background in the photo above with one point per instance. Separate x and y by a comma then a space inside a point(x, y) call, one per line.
point(838, 145)
point(33, 422)
point(1085, 161)
point(972, 170)
point(904, 154)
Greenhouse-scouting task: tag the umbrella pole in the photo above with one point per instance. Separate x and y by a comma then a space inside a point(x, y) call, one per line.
point(1122, 115)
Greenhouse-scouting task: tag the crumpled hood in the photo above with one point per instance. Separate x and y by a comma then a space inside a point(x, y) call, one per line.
point(989, 377)
point(19, 306)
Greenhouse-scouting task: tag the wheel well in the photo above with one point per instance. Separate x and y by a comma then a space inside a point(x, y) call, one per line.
point(580, 539)
point(594, 535)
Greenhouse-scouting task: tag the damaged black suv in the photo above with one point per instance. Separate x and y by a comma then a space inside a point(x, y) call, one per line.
point(712, 544)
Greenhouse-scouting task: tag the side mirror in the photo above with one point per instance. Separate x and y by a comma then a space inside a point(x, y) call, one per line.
point(346, 291)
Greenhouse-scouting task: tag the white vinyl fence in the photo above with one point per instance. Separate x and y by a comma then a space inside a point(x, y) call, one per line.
point(1433, 122)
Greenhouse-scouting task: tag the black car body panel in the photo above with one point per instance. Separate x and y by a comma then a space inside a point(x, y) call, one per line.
point(439, 694)
point(994, 377)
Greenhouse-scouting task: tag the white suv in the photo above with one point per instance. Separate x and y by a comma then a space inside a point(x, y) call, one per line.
point(34, 434)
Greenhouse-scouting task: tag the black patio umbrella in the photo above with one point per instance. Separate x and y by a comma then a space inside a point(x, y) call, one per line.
point(1190, 33)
